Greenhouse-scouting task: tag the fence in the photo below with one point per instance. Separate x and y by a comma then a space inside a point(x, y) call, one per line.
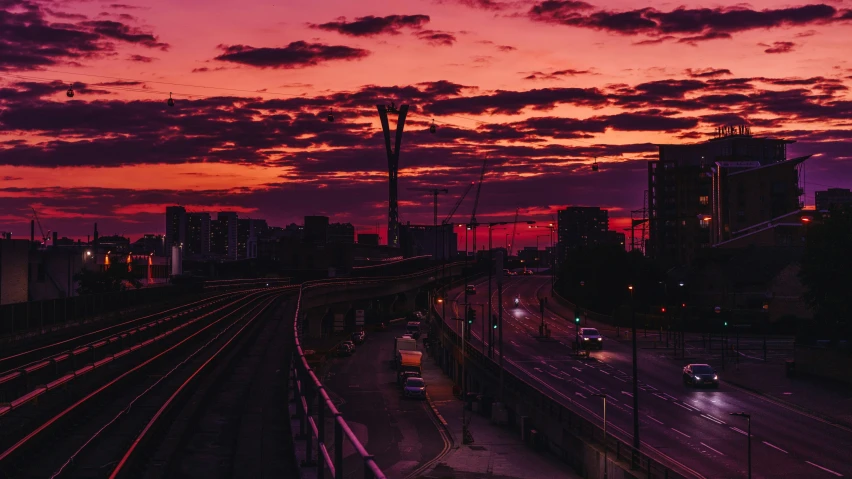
point(558, 414)
point(312, 399)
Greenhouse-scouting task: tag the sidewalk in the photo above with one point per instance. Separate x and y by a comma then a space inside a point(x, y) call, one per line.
point(497, 452)
point(827, 400)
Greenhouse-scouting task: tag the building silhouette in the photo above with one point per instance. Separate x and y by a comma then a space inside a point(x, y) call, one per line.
point(716, 191)
point(832, 198)
point(197, 244)
point(175, 226)
point(579, 227)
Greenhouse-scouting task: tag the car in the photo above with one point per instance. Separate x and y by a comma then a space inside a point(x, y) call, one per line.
point(345, 350)
point(350, 344)
point(415, 387)
point(470, 289)
point(359, 336)
point(403, 376)
point(591, 338)
point(528, 272)
point(700, 375)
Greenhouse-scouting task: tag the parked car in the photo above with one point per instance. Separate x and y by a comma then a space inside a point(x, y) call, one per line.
point(358, 337)
point(404, 376)
point(415, 387)
point(590, 338)
point(350, 344)
point(528, 272)
point(700, 375)
point(345, 350)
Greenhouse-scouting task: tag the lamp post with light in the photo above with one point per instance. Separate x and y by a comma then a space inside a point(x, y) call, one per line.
point(748, 419)
point(635, 371)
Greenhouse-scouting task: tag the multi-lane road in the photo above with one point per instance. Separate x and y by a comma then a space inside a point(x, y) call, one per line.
point(692, 427)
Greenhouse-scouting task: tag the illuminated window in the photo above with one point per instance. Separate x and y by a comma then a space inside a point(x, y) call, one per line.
point(704, 222)
point(704, 200)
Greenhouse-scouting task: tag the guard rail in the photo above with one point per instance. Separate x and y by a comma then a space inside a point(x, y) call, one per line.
point(312, 399)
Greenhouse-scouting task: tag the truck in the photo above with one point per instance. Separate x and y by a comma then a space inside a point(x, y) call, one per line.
point(410, 363)
point(402, 344)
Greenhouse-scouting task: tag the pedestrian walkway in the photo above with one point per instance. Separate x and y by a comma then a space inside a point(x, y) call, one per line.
point(497, 452)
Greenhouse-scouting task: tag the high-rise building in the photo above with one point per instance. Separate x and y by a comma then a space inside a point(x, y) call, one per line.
point(705, 193)
point(421, 240)
point(175, 226)
point(831, 198)
point(223, 235)
point(197, 235)
point(341, 233)
point(316, 230)
point(579, 227)
point(248, 233)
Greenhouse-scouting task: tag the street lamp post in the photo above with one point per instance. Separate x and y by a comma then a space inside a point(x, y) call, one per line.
point(606, 476)
point(748, 418)
point(635, 372)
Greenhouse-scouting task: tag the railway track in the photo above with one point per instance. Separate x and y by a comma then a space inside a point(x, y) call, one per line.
point(80, 429)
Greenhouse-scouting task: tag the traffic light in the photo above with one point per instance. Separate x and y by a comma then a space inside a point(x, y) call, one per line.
point(726, 323)
point(494, 321)
point(663, 309)
point(577, 317)
point(471, 316)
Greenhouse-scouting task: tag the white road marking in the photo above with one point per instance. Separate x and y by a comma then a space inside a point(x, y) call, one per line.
point(660, 396)
point(825, 469)
point(681, 405)
point(537, 369)
point(773, 446)
point(681, 433)
point(604, 372)
point(714, 450)
point(620, 379)
point(578, 369)
point(655, 420)
point(581, 395)
point(712, 419)
point(739, 431)
point(554, 367)
point(627, 393)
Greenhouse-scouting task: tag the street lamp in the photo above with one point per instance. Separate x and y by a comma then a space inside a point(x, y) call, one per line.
point(635, 371)
point(601, 395)
point(748, 418)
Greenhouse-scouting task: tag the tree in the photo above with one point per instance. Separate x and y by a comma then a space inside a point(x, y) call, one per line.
point(112, 280)
point(827, 272)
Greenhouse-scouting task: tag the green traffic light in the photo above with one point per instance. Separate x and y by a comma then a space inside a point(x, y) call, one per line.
point(577, 319)
point(495, 326)
point(726, 323)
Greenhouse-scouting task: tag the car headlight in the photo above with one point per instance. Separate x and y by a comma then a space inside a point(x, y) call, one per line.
point(600, 339)
point(715, 377)
point(585, 339)
point(696, 377)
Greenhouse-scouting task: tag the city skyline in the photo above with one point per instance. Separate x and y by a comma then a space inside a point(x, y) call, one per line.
point(495, 77)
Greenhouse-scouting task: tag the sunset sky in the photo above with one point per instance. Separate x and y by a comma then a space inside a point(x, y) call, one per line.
point(538, 88)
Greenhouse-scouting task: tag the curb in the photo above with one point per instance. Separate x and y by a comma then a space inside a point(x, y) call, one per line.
point(824, 417)
point(443, 421)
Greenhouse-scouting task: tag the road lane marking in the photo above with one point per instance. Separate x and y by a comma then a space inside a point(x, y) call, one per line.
point(681, 405)
point(714, 450)
point(681, 433)
point(581, 395)
point(655, 420)
point(537, 369)
point(554, 367)
point(660, 396)
point(739, 431)
point(773, 446)
point(620, 379)
point(825, 469)
point(712, 419)
point(578, 369)
point(627, 393)
point(604, 372)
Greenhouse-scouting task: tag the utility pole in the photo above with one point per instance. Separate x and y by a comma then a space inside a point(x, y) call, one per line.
point(500, 319)
point(635, 374)
point(393, 166)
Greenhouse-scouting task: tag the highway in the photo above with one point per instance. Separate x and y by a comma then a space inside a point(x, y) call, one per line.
point(692, 427)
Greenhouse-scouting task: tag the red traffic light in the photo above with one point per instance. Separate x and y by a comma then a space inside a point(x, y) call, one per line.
point(662, 310)
point(682, 305)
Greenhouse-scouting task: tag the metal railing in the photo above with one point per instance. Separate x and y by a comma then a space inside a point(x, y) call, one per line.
point(313, 400)
point(617, 441)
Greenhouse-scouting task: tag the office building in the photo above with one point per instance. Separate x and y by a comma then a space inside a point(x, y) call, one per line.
point(197, 244)
point(316, 230)
point(369, 239)
point(421, 240)
point(14, 270)
point(579, 227)
point(341, 233)
point(706, 193)
point(223, 236)
point(248, 233)
point(175, 226)
point(832, 198)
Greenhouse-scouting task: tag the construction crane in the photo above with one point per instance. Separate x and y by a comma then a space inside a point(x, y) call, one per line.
point(514, 230)
point(434, 192)
point(449, 217)
point(473, 221)
point(44, 237)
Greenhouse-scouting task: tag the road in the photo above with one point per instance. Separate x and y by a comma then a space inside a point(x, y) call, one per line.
point(693, 427)
point(401, 433)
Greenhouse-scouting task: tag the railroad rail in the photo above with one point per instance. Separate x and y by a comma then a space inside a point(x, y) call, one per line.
point(106, 412)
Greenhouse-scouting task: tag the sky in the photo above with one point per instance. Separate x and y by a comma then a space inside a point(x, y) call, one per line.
point(538, 90)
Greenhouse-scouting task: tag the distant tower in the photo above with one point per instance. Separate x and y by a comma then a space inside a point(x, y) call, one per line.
point(393, 166)
point(95, 236)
